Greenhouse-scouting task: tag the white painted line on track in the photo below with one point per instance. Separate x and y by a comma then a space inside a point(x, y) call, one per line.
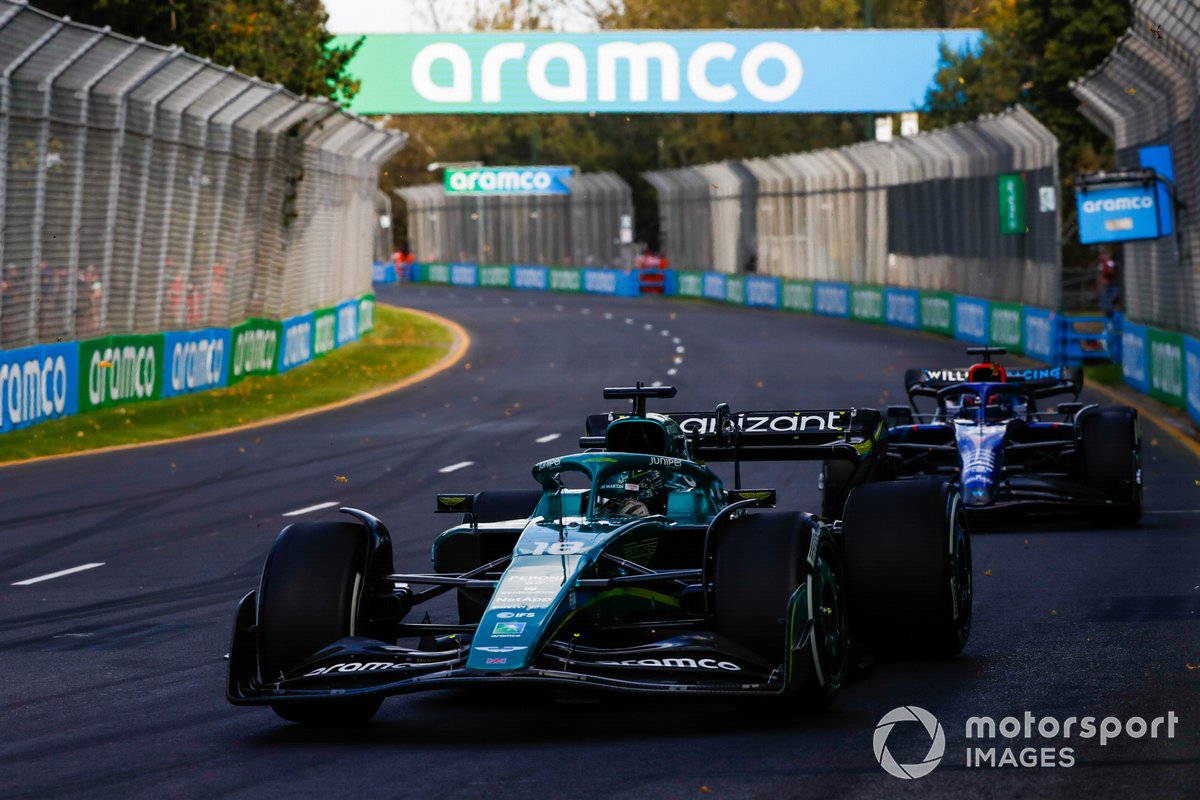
point(647, 327)
point(665, 332)
point(454, 467)
point(607, 315)
point(676, 340)
point(657, 383)
point(628, 320)
point(307, 509)
point(549, 437)
point(680, 349)
point(677, 360)
point(672, 371)
point(58, 574)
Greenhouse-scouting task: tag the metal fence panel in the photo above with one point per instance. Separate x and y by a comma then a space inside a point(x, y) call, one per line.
point(919, 212)
point(143, 189)
point(1145, 94)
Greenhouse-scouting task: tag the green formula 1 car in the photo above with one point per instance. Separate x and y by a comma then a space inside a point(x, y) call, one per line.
point(631, 568)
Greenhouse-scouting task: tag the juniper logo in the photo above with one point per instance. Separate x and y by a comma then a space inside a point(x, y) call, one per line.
point(937, 746)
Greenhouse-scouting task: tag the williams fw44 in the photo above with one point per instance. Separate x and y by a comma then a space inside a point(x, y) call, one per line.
point(988, 433)
point(629, 568)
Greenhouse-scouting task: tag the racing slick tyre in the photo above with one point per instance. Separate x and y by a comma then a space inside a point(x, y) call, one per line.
point(835, 480)
point(502, 505)
point(908, 567)
point(1110, 446)
point(307, 600)
point(760, 562)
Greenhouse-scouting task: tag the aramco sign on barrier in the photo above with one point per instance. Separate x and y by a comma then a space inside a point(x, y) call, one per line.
point(718, 71)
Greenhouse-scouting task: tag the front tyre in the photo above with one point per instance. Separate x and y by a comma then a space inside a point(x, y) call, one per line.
point(1110, 460)
point(761, 561)
point(309, 598)
point(908, 567)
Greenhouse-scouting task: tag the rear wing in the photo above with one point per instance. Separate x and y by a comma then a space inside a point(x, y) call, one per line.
point(1039, 381)
point(782, 435)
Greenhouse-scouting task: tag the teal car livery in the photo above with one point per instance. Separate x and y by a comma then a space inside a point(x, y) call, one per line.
point(629, 568)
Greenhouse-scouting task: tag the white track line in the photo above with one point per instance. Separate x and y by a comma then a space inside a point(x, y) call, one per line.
point(58, 574)
point(454, 467)
point(549, 437)
point(307, 509)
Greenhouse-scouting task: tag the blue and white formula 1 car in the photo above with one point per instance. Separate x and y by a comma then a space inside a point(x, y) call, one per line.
point(988, 434)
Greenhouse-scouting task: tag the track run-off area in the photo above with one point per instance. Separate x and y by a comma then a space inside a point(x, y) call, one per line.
point(120, 572)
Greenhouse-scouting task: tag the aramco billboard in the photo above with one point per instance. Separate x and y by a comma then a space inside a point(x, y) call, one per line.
point(717, 71)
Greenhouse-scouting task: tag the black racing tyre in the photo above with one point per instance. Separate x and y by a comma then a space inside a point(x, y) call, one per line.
point(908, 567)
point(308, 599)
point(760, 561)
point(502, 505)
point(835, 480)
point(1110, 447)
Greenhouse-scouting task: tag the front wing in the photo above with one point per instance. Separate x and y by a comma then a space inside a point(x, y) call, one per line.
point(692, 663)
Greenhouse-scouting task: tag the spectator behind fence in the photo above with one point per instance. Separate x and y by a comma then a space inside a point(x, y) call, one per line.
point(1108, 285)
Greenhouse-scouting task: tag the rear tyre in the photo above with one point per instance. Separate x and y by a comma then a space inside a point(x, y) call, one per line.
point(908, 567)
point(1110, 449)
point(307, 600)
point(760, 562)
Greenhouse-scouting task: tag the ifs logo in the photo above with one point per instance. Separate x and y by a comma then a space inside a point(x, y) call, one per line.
point(937, 746)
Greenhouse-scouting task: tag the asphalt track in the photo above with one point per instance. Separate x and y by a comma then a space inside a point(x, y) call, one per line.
point(113, 676)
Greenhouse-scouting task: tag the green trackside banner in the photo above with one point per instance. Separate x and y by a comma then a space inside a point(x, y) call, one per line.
point(255, 346)
point(1008, 326)
point(115, 370)
point(798, 296)
point(649, 71)
point(1166, 366)
point(324, 331)
point(735, 290)
point(566, 280)
point(866, 304)
point(937, 312)
point(690, 284)
point(1011, 189)
point(435, 273)
point(496, 277)
point(366, 314)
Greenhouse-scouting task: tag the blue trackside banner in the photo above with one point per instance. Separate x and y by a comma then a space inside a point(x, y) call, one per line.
point(902, 308)
point(383, 272)
point(649, 71)
point(464, 275)
point(831, 299)
point(347, 322)
point(196, 360)
point(1135, 356)
point(714, 286)
point(762, 292)
point(297, 347)
point(971, 319)
point(1191, 375)
point(1041, 339)
point(610, 281)
point(38, 383)
point(532, 278)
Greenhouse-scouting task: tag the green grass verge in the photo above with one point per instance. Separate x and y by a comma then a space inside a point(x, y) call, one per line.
point(401, 345)
point(1104, 374)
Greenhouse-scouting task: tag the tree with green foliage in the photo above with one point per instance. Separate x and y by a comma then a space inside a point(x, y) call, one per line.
point(280, 41)
point(1031, 52)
